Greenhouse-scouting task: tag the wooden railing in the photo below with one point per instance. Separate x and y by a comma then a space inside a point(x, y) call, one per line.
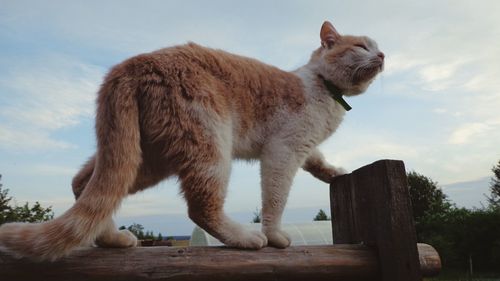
point(374, 239)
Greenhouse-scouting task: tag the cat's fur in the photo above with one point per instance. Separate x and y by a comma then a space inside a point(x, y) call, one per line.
point(188, 111)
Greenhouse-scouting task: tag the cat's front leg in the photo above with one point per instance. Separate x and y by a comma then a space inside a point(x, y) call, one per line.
point(279, 165)
point(319, 168)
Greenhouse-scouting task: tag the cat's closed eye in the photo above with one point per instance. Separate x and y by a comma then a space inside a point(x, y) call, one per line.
point(361, 46)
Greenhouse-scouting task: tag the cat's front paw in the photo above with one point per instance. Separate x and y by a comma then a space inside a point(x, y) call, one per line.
point(277, 238)
point(338, 171)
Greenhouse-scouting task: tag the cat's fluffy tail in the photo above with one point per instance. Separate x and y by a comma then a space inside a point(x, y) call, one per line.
point(117, 162)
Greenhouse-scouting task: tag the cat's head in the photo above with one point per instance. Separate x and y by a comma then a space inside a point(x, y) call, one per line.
point(349, 62)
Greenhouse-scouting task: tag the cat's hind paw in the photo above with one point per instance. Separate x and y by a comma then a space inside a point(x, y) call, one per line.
point(278, 238)
point(118, 239)
point(253, 240)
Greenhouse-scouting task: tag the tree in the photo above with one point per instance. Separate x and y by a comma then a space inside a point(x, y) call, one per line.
point(494, 198)
point(24, 213)
point(5, 209)
point(149, 235)
point(137, 230)
point(160, 237)
point(37, 213)
point(257, 216)
point(460, 235)
point(425, 195)
point(321, 216)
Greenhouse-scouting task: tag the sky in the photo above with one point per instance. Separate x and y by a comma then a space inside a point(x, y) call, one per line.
point(435, 106)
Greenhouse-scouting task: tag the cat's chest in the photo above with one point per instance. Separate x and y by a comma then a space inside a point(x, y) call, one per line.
point(312, 125)
point(324, 117)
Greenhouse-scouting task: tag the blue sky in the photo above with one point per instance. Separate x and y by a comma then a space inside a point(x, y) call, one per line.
point(435, 106)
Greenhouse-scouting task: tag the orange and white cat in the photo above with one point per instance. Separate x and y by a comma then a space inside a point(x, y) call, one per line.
point(187, 111)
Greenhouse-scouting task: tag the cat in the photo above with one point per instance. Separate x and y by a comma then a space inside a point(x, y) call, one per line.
point(187, 111)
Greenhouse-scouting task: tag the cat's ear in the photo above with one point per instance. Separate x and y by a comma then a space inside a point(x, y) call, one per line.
point(328, 34)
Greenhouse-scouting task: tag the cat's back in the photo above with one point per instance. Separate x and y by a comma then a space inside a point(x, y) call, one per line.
point(191, 64)
point(225, 66)
point(181, 78)
point(192, 70)
point(210, 59)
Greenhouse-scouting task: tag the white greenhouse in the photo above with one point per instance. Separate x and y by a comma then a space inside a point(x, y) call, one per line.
point(310, 233)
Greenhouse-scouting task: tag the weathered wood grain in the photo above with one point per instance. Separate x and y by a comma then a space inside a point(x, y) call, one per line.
point(372, 205)
point(330, 262)
point(344, 225)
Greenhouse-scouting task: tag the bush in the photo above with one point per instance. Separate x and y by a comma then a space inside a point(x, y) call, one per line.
point(24, 213)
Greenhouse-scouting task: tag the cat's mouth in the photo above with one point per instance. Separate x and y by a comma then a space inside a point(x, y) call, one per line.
point(367, 73)
point(381, 67)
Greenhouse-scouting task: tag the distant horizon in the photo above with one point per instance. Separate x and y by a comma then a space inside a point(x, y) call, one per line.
point(297, 215)
point(467, 194)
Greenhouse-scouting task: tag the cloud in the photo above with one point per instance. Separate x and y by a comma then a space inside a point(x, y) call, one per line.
point(51, 93)
point(449, 47)
point(448, 62)
point(20, 139)
point(469, 132)
point(436, 77)
point(53, 170)
point(45, 95)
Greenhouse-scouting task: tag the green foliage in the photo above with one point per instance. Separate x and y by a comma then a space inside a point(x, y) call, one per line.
point(138, 230)
point(426, 197)
point(24, 213)
point(454, 274)
point(321, 216)
point(149, 235)
point(494, 198)
point(159, 237)
point(457, 233)
point(35, 213)
point(5, 208)
point(460, 233)
point(257, 216)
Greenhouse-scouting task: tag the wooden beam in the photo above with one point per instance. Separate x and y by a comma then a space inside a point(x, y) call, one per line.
point(372, 206)
point(330, 262)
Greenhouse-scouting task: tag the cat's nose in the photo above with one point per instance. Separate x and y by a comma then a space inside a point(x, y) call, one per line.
point(381, 55)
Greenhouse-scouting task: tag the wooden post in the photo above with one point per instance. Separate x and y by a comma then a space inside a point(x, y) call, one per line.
point(372, 206)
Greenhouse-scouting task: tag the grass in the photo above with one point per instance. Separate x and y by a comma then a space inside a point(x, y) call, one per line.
point(463, 275)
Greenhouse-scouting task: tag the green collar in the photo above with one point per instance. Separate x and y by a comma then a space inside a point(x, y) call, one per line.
point(335, 93)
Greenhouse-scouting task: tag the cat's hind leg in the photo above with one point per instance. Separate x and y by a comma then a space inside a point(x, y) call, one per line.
point(83, 176)
point(204, 183)
point(110, 237)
